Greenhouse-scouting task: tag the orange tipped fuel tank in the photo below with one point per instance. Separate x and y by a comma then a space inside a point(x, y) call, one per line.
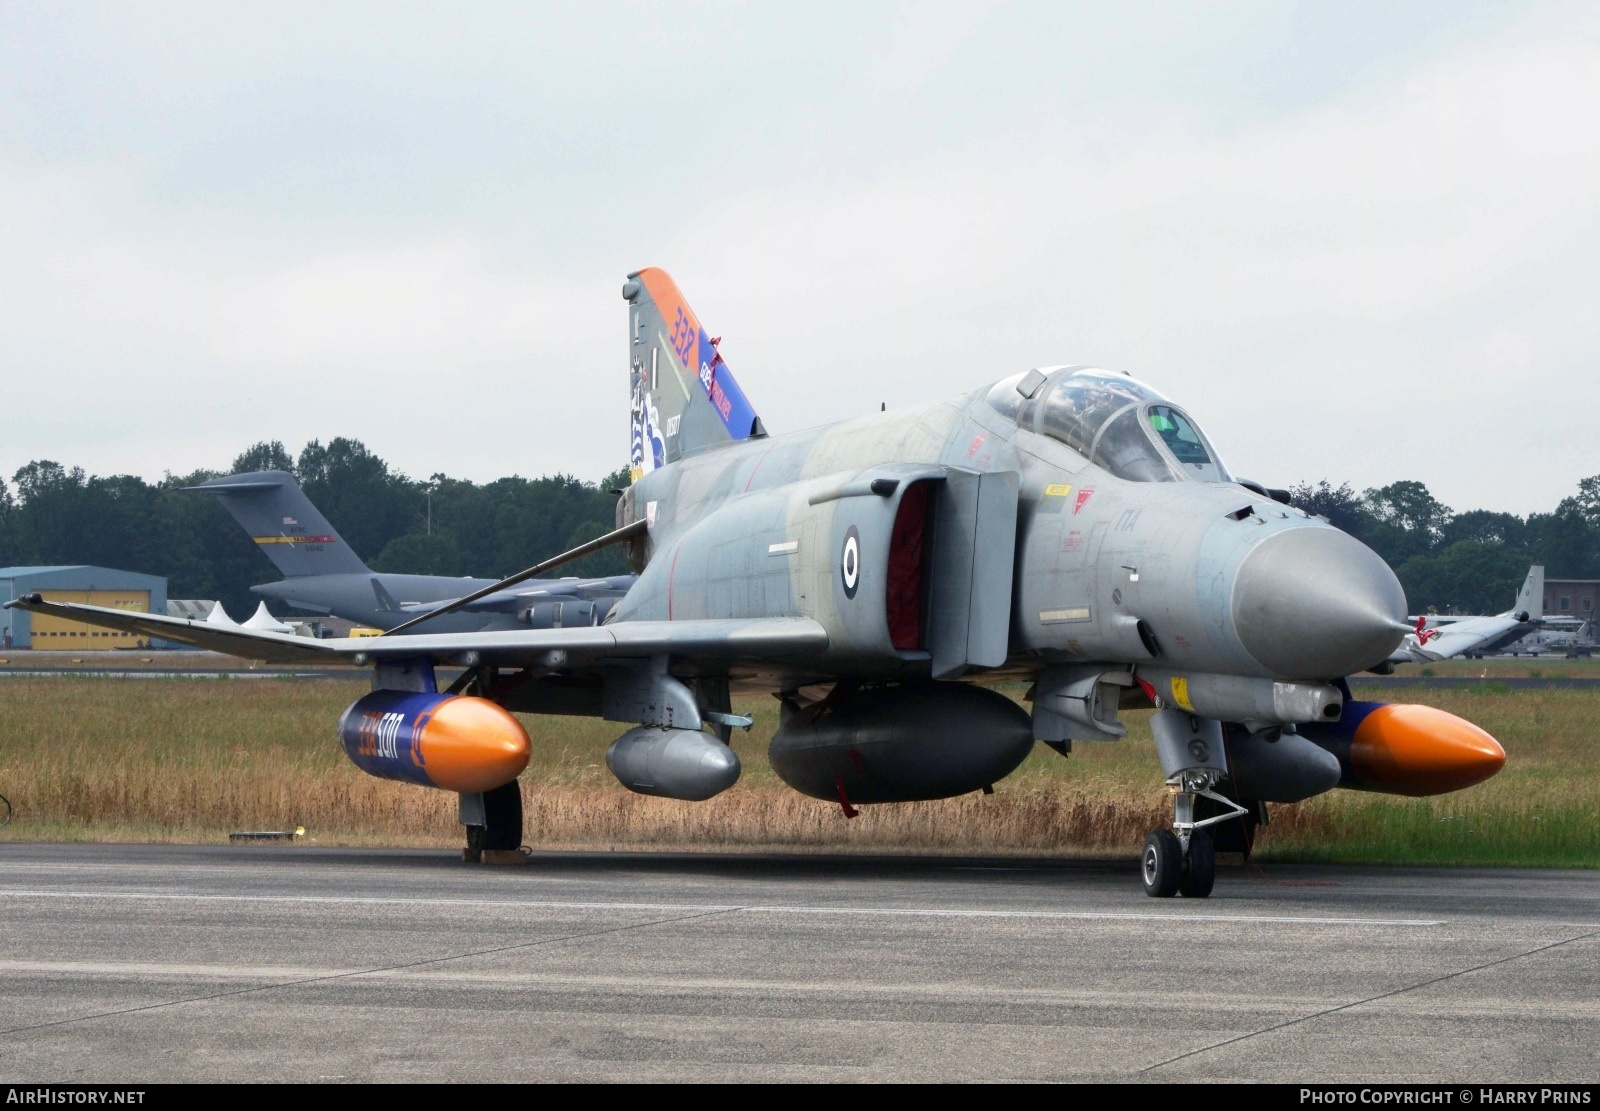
point(1403, 749)
point(453, 742)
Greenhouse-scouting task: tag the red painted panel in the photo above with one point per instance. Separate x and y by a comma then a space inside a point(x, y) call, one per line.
point(907, 567)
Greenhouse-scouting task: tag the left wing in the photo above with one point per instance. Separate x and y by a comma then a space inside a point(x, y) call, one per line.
point(756, 640)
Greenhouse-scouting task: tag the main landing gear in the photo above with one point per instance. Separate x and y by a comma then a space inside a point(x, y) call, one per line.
point(1183, 860)
point(494, 826)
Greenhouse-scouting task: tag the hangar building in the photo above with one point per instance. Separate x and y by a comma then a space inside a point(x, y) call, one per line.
point(95, 586)
point(1571, 597)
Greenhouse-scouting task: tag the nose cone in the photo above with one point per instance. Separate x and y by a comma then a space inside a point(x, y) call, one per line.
point(1315, 603)
point(1419, 750)
point(472, 745)
point(718, 768)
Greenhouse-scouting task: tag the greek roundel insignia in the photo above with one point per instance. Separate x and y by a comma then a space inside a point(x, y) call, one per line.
point(850, 562)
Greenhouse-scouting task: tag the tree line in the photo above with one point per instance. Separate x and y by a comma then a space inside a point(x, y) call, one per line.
point(1469, 562)
point(50, 514)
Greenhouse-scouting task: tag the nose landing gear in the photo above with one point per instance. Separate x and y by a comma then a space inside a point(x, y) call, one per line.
point(1183, 860)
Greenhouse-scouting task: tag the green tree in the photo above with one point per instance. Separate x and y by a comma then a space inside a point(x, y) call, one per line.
point(1466, 577)
point(1406, 520)
point(1482, 526)
point(357, 493)
point(420, 554)
point(1342, 506)
point(1565, 542)
point(264, 456)
point(8, 523)
point(1586, 503)
point(618, 481)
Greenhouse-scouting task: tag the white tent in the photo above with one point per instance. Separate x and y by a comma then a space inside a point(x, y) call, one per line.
point(263, 619)
point(219, 616)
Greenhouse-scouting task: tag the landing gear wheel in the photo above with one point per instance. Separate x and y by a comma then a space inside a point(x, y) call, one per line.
point(499, 839)
point(503, 808)
point(1161, 864)
point(1200, 867)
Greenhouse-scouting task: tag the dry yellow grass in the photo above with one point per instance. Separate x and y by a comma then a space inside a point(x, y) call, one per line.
point(191, 760)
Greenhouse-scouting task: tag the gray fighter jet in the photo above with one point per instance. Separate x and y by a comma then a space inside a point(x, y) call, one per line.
point(1068, 529)
point(323, 574)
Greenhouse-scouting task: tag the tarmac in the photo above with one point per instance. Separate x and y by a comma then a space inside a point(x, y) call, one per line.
point(132, 963)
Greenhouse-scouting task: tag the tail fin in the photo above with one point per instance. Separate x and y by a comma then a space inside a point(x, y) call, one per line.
point(1531, 596)
point(684, 397)
point(283, 522)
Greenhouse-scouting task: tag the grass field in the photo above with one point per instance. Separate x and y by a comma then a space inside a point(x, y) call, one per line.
point(192, 759)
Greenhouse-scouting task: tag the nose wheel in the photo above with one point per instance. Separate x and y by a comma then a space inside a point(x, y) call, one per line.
point(1162, 864)
point(1168, 868)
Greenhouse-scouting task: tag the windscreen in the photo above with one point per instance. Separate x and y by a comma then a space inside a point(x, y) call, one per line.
point(1123, 449)
point(1180, 437)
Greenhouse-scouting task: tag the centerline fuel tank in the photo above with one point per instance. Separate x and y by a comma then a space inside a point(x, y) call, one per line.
point(454, 742)
point(902, 744)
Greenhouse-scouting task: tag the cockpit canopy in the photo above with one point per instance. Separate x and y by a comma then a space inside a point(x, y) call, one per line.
point(1113, 421)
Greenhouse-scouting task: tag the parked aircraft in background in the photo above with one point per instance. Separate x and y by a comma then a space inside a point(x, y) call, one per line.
point(1439, 638)
point(323, 574)
point(1066, 526)
point(1556, 636)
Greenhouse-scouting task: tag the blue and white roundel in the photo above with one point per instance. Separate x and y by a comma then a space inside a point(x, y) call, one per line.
point(850, 562)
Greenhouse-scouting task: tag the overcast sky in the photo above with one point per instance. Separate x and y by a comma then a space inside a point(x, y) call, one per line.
point(1356, 241)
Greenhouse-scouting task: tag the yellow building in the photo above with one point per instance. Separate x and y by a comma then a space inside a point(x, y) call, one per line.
point(94, 586)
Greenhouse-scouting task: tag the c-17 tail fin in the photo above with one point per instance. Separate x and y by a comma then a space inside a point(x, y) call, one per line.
point(284, 524)
point(684, 398)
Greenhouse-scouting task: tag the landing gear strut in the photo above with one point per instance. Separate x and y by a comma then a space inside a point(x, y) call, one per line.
point(1183, 860)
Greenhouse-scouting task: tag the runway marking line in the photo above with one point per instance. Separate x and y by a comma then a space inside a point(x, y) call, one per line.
point(1071, 997)
point(401, 967)
point(1371, 999)
point(725, 908)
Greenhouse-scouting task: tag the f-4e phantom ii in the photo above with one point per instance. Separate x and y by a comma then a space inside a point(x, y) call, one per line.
point(323, 574)
point(1066, 526)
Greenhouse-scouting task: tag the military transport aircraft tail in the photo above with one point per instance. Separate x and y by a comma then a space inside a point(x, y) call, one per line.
point(283, 522)
point(684, 398)
point(1530, 599)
